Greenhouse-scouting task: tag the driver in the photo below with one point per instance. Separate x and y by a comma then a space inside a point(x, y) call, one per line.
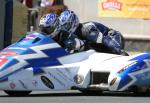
point(93, 33)
point(48, 23)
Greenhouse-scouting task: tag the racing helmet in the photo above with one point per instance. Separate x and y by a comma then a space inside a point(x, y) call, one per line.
point(68, 21)
point(48, 23)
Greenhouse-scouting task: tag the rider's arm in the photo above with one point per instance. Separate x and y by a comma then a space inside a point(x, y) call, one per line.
point(71, 42)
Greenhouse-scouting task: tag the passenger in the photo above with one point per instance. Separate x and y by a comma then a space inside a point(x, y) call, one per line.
point(79, 35)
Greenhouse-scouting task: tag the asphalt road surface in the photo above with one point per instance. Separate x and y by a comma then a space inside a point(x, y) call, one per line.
point(75, 97)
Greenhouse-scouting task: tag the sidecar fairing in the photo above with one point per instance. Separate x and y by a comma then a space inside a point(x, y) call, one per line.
point(38, 63)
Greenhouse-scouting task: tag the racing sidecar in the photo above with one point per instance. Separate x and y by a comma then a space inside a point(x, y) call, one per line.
point(38, 63)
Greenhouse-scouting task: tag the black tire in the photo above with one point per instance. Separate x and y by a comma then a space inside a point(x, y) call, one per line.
point(17, 93)
point(138, 91)
point(91, 92)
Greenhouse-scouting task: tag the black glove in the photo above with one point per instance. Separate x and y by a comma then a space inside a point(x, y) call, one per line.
point(69, 44)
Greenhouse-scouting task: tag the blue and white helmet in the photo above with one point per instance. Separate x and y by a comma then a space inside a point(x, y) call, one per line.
point(48, 23)
point(68, 21)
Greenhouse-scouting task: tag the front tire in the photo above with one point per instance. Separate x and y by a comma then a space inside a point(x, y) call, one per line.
point(17, 93)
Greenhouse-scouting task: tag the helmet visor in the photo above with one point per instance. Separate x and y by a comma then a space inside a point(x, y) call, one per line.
point(47, 30)
point(64, 27)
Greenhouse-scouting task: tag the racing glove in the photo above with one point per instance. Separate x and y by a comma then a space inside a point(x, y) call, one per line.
point(73, 44)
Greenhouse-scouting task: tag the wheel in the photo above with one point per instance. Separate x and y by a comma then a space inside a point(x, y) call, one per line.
point(139, 90)
point(91, 92)
point(17, 93)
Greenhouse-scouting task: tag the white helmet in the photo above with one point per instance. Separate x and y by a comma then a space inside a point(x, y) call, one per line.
point(68, 21)
point(48, 23)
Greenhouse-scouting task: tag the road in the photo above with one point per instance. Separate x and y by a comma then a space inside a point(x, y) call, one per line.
point(75, 97)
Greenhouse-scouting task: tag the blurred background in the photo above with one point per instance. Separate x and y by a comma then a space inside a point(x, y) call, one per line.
point(131, 18)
